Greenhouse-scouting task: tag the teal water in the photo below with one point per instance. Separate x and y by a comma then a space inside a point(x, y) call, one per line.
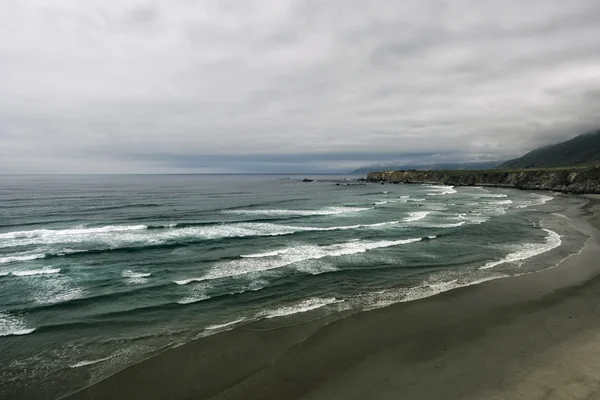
point(97, 272)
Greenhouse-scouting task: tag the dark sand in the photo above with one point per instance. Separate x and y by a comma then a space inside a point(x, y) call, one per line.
point(536, 336)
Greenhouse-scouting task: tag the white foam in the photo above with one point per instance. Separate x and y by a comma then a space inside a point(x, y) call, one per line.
point(304, 306)
point(186, 281)
point(118, 239)
point(285, 212)
point(198, 293)
point(561, 216)
point(500, 202)
point(479, 196)
point(13, 325)
point(33, 272)
point(56, 289)
point(454, 225)
point(135, 277)
point(316, 267)
point(265, 254)
point(416, 216)
point(25, 257)
point(538, 200)
point(260, 262)
point(225, 325)
point(379, 203)
point(542, 199)
point(132, 274)
point(474, 218)
point(193, 299)
point(528, 250)
point(384, 298)
point(89, 362)
point(41, 233)
point(441, 190)
point(258, 284)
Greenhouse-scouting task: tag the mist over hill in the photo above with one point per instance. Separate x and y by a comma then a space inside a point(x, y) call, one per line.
point(580, 151)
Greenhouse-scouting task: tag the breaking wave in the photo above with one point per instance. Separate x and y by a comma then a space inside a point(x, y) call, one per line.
point(284, 212)
point(528, 250)
point(259, 262)
point(13, 325)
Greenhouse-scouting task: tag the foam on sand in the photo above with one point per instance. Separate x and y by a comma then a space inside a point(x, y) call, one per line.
point(304, 306)
point(225, 325)
point(528, 250)
point(89, 362)
point(431, 287)
point(275, 259)
point(13, 325)
point(543, 199)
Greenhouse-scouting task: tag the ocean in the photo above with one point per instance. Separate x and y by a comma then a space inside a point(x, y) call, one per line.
point(99, 272)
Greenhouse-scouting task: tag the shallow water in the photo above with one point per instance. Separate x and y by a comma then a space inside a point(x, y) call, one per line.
point(97, 272)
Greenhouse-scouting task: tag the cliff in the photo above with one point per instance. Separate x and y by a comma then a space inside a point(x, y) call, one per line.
point(569, 180)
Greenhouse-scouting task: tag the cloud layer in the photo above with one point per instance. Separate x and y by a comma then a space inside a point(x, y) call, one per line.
point(274, 85)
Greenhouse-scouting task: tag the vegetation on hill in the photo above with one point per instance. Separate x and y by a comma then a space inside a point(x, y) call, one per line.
point(583, 150)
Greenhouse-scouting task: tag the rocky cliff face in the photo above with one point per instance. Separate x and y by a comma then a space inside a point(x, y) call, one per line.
point(569, 180)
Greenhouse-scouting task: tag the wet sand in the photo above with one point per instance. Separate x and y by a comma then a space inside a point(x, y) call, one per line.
point(535, 336)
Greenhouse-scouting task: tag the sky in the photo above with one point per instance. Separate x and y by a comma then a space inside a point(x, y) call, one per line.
point(220, 86)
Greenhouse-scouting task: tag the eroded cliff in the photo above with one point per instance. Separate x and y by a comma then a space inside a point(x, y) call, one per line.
point(569, 180)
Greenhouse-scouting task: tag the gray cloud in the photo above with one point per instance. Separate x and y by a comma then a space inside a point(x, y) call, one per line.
point(184, 86)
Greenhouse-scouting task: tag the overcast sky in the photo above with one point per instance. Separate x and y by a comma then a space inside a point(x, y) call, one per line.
point(275, 85)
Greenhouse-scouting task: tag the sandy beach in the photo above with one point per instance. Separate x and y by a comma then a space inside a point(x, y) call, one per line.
point(534, 336)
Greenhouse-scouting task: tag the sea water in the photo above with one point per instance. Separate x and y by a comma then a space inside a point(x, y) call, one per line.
point(98, 272)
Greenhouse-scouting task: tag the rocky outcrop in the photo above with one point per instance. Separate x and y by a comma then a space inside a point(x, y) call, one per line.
point(569, 180)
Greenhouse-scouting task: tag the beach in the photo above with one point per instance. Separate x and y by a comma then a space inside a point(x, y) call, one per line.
point(533, 336)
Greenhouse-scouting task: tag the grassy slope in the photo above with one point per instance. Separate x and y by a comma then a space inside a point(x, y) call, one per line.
point(583, 150)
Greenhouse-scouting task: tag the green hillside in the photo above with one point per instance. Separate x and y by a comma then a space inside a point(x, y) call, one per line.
point(579, 151)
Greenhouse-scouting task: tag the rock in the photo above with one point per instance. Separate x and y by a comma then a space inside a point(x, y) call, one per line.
point(569, 180)
point(307, 180)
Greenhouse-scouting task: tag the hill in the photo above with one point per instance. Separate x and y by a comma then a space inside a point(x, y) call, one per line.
point(579, 151)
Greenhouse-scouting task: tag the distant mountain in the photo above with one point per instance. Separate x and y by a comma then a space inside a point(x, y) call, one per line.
point(579, 151)
point(436, 167)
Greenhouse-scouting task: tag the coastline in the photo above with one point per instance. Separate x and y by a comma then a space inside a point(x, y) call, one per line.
point(532, 335)
point(565, 180)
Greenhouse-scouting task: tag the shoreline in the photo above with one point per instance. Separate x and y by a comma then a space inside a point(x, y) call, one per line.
point(565, 180)
point(377, 353)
